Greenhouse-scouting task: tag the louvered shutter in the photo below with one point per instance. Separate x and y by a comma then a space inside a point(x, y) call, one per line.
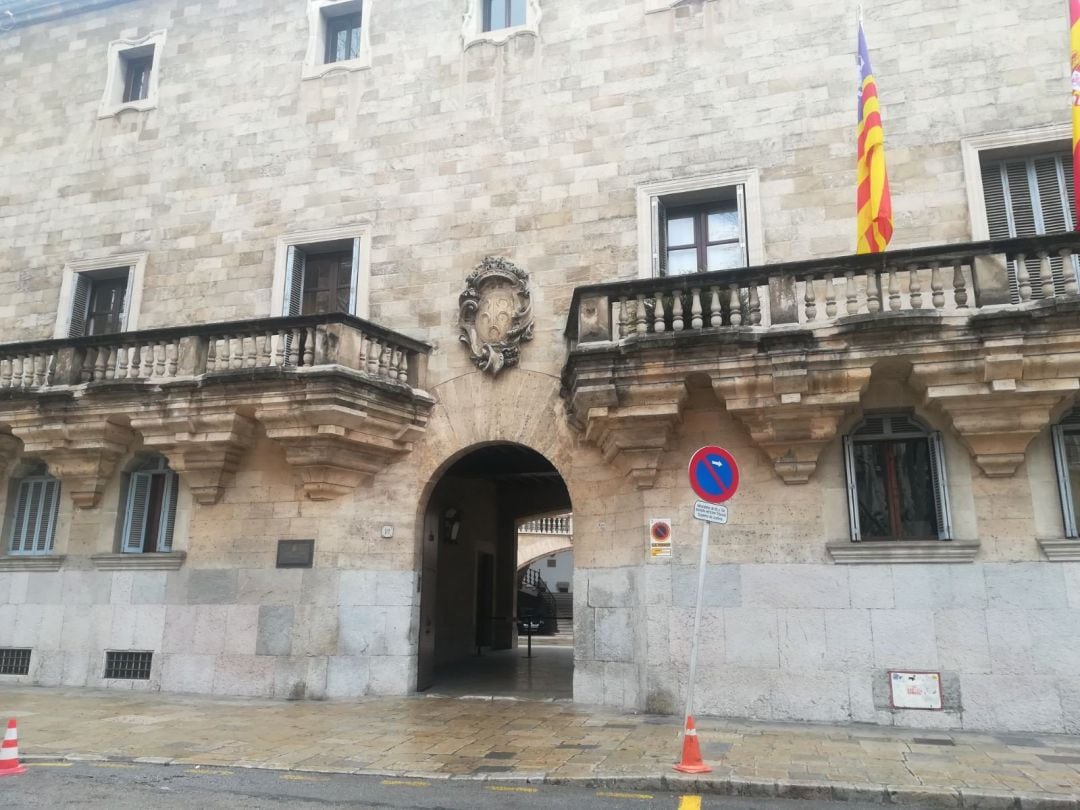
point(1061, 461)
point(852, 492)
point(658, 216)
point(50, 505)
point(126, 301)
point(80, 303)
point(294, 280)
point(740, 196)
point(354, 277)
point(135, 520)
point(168, 511)
point(941, 487)
point(19, 521)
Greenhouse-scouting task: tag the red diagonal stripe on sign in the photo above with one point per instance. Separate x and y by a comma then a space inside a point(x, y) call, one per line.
point(716, 477)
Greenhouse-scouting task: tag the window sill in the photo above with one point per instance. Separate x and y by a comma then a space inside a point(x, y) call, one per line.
point(1061, 550)
point(501, 36)
point(346, 66)
point(134, 106)
point(895, 552)
point(31, 562)
point(168, 561)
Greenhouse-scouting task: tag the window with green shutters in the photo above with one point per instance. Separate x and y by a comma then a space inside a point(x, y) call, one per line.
point(35, 504)
point(1066, 436)
point(1031, 196)
point(150, 508)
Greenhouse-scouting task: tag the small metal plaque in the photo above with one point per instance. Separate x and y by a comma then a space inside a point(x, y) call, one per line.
point(916, 690)
point(295, 553)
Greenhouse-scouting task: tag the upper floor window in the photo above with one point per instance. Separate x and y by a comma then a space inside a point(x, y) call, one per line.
point(99, 302)
point(1030, 196)
point(322, 271)
point(1067, 456)
point(132, 79)
point(896, 480)
point(150, 508)
point(500, 14)
point(33, 504)
point(343, 37)
point(704, 236)
point(338, 37)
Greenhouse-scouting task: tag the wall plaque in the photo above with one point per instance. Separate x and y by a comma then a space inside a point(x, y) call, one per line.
point(295, 553)
point(915, 690)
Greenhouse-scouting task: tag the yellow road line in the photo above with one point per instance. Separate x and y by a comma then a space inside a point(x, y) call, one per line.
point(511, 789)
point(209, 772)
point(405, 783)
point(606, 795)
point(689, 803)
point(47, 764)
point(295, 777)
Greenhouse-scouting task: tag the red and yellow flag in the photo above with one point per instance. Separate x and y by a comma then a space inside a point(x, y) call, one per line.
point(1074, 42)
point(873, 200)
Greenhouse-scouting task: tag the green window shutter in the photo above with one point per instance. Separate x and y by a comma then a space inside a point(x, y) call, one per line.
point(80, 303)
point(135, 517)
point(852, 493)
point(941, 487)
point(354, 278)
point(1061, 461)
point(168, 511)
point(294, 280)
point(658, 215)
point(50, 506)
point(18, 522)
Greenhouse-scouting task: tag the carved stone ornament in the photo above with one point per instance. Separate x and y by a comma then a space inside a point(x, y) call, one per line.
point(496, 314)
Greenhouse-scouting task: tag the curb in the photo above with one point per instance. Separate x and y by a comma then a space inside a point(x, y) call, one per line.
point(900, 795)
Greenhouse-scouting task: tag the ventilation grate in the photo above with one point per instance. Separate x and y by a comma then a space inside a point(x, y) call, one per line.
point(133, 666)
point(14, 661)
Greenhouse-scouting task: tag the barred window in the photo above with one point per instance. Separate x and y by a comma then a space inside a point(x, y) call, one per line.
point(14, 661)
point(128, 665)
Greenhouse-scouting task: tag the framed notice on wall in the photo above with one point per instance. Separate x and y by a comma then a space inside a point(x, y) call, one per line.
point(915, 690)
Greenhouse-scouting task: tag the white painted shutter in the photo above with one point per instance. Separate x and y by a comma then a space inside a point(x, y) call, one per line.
point(941, 487)
point(135, 519)
point(852, 493)
point(168, 511)
point(50, 505)
point(740, 196)
point(294, 280)
point(80, 303)
point(1061, 460)
point(354, 278)
point(658, 216)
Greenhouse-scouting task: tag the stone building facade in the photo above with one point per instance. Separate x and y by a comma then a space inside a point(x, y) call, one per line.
point(177, 396)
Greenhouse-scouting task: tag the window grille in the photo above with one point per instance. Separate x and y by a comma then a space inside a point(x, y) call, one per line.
point(127, 665)
point(14, 661)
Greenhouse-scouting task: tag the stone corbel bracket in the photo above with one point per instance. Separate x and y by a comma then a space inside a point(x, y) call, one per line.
point(82, 454)
point(1001, 401)
point(9, 451)
point(205, 448)
point(792, 412)
point(336, 442)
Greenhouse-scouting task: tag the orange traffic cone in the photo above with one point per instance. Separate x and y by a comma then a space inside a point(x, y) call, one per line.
point(691, 752)
point(9, 752)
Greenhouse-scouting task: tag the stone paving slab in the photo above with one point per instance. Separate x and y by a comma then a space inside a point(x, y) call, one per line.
point(554, 742)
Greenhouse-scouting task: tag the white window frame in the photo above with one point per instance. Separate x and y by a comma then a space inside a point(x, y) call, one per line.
point(361, 236)
point(938, 473)
point(472, 26)
point(136, 264)
point(648, 202)
point(319, 11)
point(112, 102)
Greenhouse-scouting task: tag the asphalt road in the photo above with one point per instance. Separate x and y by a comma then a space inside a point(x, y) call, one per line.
point(119, 786)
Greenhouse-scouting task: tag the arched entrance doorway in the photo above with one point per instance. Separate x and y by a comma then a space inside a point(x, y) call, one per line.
point(469, 606)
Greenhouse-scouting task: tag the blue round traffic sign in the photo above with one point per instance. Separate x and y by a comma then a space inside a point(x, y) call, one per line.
point(714, 474)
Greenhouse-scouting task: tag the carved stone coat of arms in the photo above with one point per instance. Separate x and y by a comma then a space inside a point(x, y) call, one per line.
point(496, 314)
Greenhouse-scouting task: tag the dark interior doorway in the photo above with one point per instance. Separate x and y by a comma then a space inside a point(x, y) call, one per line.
point(469, 583)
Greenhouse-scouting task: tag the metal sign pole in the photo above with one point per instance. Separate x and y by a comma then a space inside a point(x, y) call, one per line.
point(697, 620)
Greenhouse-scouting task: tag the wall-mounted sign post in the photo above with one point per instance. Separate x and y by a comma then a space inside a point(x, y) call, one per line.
point(714, 477)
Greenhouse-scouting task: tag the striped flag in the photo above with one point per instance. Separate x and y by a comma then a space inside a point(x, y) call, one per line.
point(1074, 42)
point(873, 200)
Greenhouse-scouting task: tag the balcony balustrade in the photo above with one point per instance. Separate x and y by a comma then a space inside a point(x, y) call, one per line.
point(343, 397)
point(986, 332)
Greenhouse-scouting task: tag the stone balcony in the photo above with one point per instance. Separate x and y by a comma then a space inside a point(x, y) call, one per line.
point(343, 397)
point(789, 349)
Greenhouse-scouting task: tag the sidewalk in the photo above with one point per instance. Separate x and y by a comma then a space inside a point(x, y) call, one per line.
point(439, 737)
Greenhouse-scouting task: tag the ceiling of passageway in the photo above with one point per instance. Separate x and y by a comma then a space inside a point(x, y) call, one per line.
point(504, 462)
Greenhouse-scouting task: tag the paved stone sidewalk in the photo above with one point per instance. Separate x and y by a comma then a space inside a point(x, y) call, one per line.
point(558, 742)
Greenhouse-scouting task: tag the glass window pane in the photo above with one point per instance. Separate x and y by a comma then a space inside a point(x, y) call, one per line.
point(495, 15)
point(918, 516)
point(725, 257)
point(681, 262)
point(517, 12)
point(680, 231)
point(723, 225)
point(895, 490)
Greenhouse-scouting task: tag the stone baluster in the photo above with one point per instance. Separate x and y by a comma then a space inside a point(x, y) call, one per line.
point(395, 359)
point(16, 372)
point(1023, 278)
point(122, 362)
point(159, 359)
point(250, 350)
point(47, 369)
point(38, 363)
point(914, 287)
point(281, 352)
point(26, 372)
point(623, 307)
point(937, 286)
point(309, 346)
point(716, 315)
point(1068, 269)
point(873, 292)
point(894, 288)
point(134, 360)
point(86, 373)
point(110, 363)
point(384, 361)
point(851, 291)
point(658, 314)
point(294, 337)
point(810, 299)
point(265, 349)
point(172, 357)
point(696, 320)
point(736, 305)
point(642, 325)
point(146, 360)
point(374, 351)
point(100, 361)
point(236, 352)
point(960, 293)
point(403, 368)
point(677, 324)
point(5, 373)
point(830, 296)
point(1046, 275)
point(755, 306)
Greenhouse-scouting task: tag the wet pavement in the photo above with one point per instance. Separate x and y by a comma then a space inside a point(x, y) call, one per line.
point(483, 739)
